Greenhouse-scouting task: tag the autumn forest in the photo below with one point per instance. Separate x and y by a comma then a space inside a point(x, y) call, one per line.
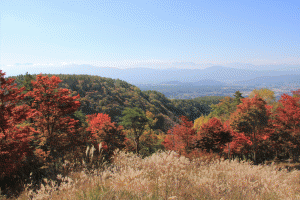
point(48, 120)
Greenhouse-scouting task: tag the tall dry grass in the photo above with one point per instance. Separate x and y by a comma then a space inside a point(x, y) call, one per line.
point(166, 175)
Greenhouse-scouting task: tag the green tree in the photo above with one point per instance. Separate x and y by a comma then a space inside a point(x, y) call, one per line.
point(80, 116)
point(237, 97)
point(136, 120)
point(27, 82)
point(227, 106)
point(223, 109)
point(28, 87)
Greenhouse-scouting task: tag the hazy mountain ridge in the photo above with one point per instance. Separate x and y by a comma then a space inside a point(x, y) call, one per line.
point(271, 80)
point(197, 83)
point(148, 75)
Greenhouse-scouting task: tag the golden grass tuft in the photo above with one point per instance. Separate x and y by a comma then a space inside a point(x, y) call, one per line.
point(166, 175)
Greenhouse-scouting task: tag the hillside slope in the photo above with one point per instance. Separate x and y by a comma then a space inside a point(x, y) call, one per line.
point(111, 96)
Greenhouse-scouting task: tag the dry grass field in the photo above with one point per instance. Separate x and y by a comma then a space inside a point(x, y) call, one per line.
point(166, 175)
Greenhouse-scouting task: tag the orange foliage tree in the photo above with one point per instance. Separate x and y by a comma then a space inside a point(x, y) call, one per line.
point(213, 136)
point(286, 122)
point(53, 105)
point(252, 119)
point(14, 135)
point(106, 133)
point(239, 145)
point(181, 138)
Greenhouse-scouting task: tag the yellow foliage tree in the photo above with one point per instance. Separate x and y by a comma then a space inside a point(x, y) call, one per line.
point(266, 94)
point(200, 121)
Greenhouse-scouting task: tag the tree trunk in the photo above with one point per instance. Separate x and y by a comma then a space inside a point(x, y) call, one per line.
point(254, 146)
point(228, 151)
point(137, 143)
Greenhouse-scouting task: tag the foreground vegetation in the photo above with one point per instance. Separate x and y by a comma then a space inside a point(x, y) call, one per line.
point(166, 175)
point(47, 140)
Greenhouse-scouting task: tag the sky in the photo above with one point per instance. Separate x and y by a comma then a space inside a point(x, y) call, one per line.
point(140, 32)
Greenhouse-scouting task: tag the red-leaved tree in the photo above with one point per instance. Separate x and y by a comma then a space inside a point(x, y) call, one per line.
point(239, 145)
point(14, 135)
point(53, 105)
point(181, 138)
point(252, 119)
point(286, 124)
point(106, 133)
point(213, 135)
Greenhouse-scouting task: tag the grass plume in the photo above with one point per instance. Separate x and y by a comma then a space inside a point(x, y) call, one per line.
point(166, 175)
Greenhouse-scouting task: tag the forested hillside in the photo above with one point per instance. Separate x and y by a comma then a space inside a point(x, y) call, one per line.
point(111, 96)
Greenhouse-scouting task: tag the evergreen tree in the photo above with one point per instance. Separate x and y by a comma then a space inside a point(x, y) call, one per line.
point(136, 120)
point(27, 82)
point(237, 97)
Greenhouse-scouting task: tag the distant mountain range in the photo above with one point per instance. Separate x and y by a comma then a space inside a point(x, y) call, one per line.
point(204, 82)
point(214, 75)
point(282, 80)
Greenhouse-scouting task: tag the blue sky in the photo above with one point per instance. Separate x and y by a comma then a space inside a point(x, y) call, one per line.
point(125, 33)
